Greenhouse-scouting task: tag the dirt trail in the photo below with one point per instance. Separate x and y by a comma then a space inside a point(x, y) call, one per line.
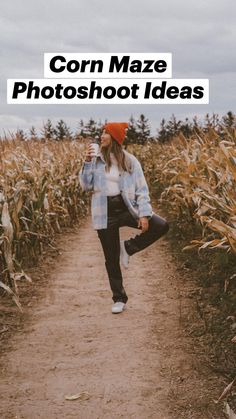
point(137, 364)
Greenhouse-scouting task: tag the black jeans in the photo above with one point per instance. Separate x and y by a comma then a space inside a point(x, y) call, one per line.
point(119, 216)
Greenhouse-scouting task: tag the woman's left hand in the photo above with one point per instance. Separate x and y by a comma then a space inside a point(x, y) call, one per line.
point(143, 223)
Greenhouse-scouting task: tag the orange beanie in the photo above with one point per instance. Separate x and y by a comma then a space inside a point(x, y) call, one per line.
point(117, 130)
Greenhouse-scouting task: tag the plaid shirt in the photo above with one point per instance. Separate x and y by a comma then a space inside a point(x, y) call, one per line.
point(133, 188)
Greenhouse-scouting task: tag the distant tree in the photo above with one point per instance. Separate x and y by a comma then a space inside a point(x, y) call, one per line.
point(142, 129)
point(99, 128)
point(132, 131)
point(211, 122)
point(227, 125)
point(81, 128)
point(196, 125)
point(229, 120)
point(33, 133)
point(174, 126)
point(21, 135)
point(207, 121)
point(163, 135)
point(170, 129)
point(186, 128)
point(100, 125)
point(48, 131)
point(62, 131)
point(91, 129)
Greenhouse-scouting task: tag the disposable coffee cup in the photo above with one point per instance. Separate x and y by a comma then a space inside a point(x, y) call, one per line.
point(95, 148)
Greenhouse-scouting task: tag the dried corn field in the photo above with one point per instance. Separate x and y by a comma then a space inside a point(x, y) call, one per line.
point(198, 179)
point(39, 195)
point(39, 192)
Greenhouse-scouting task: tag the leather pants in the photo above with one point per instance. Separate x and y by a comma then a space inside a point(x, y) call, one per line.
point(119, 216)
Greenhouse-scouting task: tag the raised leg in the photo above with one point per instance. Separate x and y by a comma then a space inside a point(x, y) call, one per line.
point(158, 226)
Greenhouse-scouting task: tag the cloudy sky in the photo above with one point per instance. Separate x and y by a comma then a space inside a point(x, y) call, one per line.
point(200, 34)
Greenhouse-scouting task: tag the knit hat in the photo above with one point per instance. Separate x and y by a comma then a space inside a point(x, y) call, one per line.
point(117, 130)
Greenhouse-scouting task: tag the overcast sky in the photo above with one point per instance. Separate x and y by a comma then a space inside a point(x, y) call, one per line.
point(200, 34)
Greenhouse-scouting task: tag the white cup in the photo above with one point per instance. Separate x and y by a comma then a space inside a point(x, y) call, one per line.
point(95, 148)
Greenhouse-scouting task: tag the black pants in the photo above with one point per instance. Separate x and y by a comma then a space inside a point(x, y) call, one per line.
point(119, 216)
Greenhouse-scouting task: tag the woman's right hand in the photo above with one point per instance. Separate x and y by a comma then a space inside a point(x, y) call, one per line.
point(89, 152)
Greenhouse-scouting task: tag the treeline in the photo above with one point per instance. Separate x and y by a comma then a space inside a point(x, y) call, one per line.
point(172, 128)
point(139, 131)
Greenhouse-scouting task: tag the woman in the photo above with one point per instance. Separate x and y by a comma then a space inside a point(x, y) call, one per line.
point(120, 198)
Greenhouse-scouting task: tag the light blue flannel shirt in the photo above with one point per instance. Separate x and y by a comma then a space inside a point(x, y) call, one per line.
point(133, 188)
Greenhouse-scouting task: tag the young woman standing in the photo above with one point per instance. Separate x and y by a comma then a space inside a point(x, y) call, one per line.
point(120, 198)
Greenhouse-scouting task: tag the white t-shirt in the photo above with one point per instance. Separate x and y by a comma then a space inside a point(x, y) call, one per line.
point(112, 177)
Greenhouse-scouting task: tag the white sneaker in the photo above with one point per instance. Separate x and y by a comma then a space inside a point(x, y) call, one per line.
point(118, 307)
point(124, 257)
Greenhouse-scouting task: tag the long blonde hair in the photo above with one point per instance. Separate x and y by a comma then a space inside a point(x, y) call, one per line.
point(123, 161)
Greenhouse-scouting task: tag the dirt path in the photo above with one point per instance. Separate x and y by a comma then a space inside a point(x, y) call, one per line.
point(137, 364)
